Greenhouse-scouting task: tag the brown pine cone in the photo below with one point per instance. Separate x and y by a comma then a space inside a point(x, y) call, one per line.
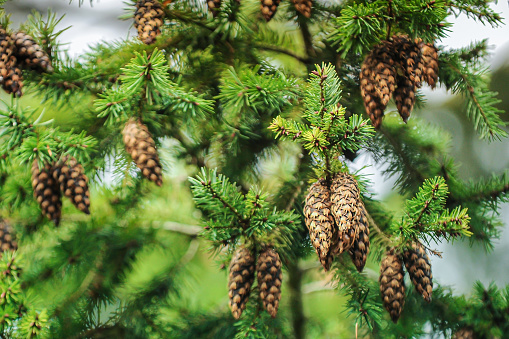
point(269, 8)
point(73, 182)
point(214, 6)
point(430, 63)
point(319, 221)
point(408, 54)
point(345, 198)
point(464, 333)
point(240, 280)
point(6, 50)
point(404, 96)
point(7, 239)
point(47, 192)
point(140, 145)
point(304, 7)
point(360, 248)
point(12, 79)
point(270, 278)
point(148, 20)
point(30, 54)
point(392, 285)
point(418, 267)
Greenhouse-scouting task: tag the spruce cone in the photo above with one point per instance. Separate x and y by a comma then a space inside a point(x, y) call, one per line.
point(148, 20)
point(214, 6)
point(392, 285)
point(6, 51)
point(140, 145)
point(404, 96)
point(269, 279)
point(430, 64)
point(303, 6)
point(240, 280)
point(360, 248)
point(318, 218)
point(30, 54)
point(47, 192)
point(12, 78)
point(464, 333)
point(377, 80)
point(7, 239)
point(418, 267)
point(409, 58)
point(269, 8)
point(73, 182)
point(345, 198)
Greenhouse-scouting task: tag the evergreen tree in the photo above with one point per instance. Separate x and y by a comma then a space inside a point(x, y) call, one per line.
point(265, 105)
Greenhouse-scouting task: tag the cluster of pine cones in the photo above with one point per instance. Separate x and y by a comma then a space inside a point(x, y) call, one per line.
point(337, 220)
point(269, 7)
point(141, 146)
point(391, 280)
point(148, 20)
point(242, 274)
point(19, 50)
point(65, 176)
point(396, 68)
point(7, 239)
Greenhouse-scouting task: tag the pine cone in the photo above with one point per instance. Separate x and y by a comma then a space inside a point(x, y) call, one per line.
point(140, 145)
point(6, 48)
point(269, 279)
point(47, 192)
point(73, 182)
point(30, 54)
point(12, 78)
point(430, 64)
point(409, 58)
point(303, 6)
point(418, 267)
point(464, 333)
point(392, 285)
point(404, 96)
point(7, 238)
point(318, 218)
point(345, 198)
point(269, 8)
point(214, 6)
point(148, 20)
point(240, 280)
point(377, 80)
point(360, 248)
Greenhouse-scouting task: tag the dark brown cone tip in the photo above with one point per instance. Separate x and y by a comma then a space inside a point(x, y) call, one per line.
point(418, 266)
point(7, 237)
point(345, 198)
point(303, 7)
point(360, 248)
point(240, 280)
point(392, 285)
point(73, 182)
point(319, 221)
point(404, 96)
point(47, 192)
point(270, 278)
point(141, 146)
point(269, 8)
point(148, 20)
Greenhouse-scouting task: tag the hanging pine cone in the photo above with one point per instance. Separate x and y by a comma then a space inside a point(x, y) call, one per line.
point(7, 239)
point(430, 63)
point(47, 192)
point(30, 54)
point(214, 6)
point(464, 333)
point(148, 20)
point(345, 198)
point(73, 182)
point(303, 6)
point(240, 280)
point(418, 267)
point(409, 58)
point(404, 96)
point(140, 145)
point(6, 49)
point(270, 278)
point(392, 285)
point(269, 8)
point(377, 81)
point(318, 218)
point(360, 248)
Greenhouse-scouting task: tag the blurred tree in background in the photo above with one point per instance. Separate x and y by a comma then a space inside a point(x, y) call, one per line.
point(243, 117)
